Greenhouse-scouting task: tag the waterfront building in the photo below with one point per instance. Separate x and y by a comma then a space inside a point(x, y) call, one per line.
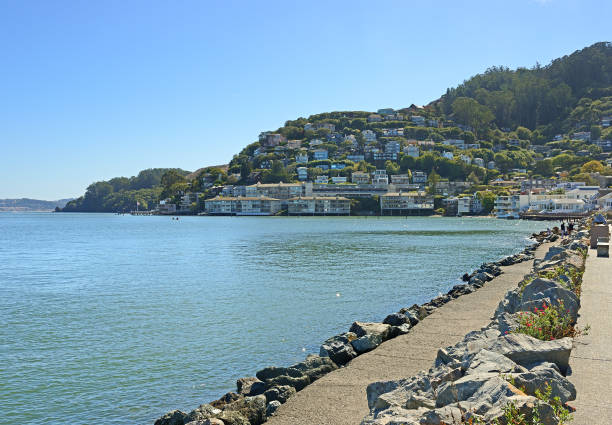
point(510, 206)
point(165, 207)
point(261, 205)
point(406, 203)
point(275, 190)
point(319, 205)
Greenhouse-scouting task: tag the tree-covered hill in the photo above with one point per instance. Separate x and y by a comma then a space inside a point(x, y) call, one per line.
point(121, 193)
point(541, 98)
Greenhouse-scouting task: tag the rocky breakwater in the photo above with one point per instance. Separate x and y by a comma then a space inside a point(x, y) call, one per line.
point(256, 398)
point(509, 372)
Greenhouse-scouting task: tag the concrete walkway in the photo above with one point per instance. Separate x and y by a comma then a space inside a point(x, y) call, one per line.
point(591, 359)
point(339, 398)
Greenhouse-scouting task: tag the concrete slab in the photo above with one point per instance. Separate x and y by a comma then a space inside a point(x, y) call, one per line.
point(591, 359)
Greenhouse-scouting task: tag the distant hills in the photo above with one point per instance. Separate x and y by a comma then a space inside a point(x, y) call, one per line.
point(27, 204)
point(544, 121)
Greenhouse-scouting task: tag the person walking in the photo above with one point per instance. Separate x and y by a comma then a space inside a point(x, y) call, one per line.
point(563, 228)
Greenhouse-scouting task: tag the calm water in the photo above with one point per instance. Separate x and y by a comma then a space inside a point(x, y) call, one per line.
point(118, 319)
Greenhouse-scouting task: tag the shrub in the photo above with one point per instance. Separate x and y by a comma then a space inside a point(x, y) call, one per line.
point(547, 323)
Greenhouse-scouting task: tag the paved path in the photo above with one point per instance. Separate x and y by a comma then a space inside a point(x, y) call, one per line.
point(591, 359)
point(339, 398)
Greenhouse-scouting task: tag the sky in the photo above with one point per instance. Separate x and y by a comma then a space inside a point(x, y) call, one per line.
point(93, 90)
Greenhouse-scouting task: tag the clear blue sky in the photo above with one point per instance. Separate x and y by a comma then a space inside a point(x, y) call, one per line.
point(91, 90)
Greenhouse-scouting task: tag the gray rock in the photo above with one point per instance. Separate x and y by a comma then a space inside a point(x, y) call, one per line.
point(272, 407)
point(553, 251)
point(209, 421)
point(399, 330)
point(232, 417)
point(204, 411)
point(538, 377)
point(174, 417)
point(525, 350)
point(486, 361)
point(280, 393)
point(462, 389)
point(252, 408)
point(225, 399)
point(367, 343)
point(418, 384)
point(315, 367)
point(243, 385)
point(276, 376)
point(395, 416)
point(442, 416)
point(507, 323)
point(471, 344)
point(396, 319)
point(339, 348)
point(369, 328)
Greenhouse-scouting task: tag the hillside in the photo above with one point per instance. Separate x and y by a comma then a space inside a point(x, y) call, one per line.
point(26, 204)
point(121, 193)
point(541, 122)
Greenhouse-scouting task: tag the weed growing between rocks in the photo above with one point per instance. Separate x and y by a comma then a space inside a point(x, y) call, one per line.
point(569, 277)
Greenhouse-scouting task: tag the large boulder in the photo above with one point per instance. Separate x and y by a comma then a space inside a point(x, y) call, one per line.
point(174, 417)
point(396, 319)
point(204, 411)
point(276, 376)
point(315, 367)
point(486, 361)
point(272, 407)
point(339, 348)
point(367, 343)
point(418, 384)
point(243, 385)
point(526, 350)
point(280, 393)
point(471, 344)
point(540, 376)
point(251, 408)
point(370, 328)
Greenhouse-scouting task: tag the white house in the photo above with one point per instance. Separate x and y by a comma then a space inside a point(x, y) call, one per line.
point(393, 147)
point(380, 177)
point(510, 206)
point(466, 159)
point(448, 155)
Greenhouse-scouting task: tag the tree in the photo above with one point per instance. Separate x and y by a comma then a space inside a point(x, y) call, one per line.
point(433, 180)
point(544, 168)
point(593, 167)
point(595, 132)
point(487, 199)
point(523, 133)
point(473, 178)
point(392, 168)
point(245, 170)
point(469, 111)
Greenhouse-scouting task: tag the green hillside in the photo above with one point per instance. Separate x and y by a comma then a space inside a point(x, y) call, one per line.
point(546, 121)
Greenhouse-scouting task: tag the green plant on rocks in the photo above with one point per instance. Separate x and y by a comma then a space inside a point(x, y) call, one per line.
point(547, 323)
point(560, 410)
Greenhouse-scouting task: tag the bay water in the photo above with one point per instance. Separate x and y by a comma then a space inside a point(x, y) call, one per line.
point(118, 319)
